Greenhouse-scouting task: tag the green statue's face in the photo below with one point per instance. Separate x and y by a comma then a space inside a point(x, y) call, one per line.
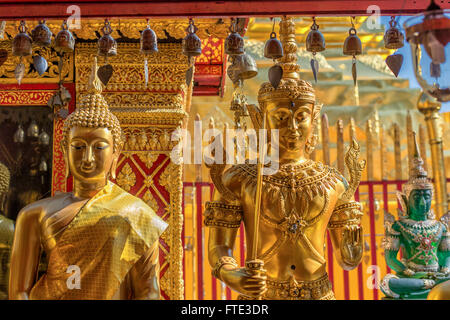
point(419, 204)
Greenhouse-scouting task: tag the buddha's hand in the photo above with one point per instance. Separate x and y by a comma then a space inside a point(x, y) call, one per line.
point(251, 283)
point(352, 245)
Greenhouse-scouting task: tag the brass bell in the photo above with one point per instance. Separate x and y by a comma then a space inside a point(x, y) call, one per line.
point(246, 66)
point(33, 130)
point(64, 40)
point(22, 42)
point(44, 138)
point(107, 46)
point(233, 70)
point(352, 44)
point(149, 41)
point(234, 43)
point(393, 38)
point(315, 42)
point(19, 135)
point(273, 48)
point(42, 36)
point(192, 45)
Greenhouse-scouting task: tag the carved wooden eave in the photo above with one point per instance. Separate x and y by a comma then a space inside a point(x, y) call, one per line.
point(90, 29)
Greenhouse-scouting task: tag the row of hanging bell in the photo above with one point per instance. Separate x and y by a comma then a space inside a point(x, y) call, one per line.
point(41, 35)
point(148, 45)
point(394, 39)
point(107, 47)
point(273, 49)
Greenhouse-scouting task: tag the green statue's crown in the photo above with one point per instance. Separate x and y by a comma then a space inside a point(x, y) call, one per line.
point(418, 178)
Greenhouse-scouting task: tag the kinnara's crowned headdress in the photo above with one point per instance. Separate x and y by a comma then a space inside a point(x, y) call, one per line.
point(291, 87)
point(93, 112)
point(418, 178)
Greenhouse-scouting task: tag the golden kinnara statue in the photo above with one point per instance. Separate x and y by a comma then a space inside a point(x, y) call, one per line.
point(299, 202)
point(101, 242)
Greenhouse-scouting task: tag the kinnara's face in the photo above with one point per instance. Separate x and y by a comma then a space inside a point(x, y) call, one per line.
point(90, 154)
point(293, 123)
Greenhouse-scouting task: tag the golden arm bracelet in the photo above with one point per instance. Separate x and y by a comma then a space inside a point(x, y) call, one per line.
point(221, 262)
point(219, 214)
point(347, 214)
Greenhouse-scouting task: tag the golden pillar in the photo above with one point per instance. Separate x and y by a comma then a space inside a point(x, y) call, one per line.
point(430, 107)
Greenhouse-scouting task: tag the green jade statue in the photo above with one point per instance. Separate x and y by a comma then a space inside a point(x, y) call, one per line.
point(424, 241)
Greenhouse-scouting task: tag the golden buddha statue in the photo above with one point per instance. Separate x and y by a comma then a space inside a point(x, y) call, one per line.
point(6, 232)
point(299, 202)
point(101, 242)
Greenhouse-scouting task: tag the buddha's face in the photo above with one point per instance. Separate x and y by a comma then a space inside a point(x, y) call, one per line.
point(90, 154)
point(419, 203)
point(293, 123)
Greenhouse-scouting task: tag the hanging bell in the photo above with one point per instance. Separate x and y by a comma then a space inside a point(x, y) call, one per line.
point(234, 43)
point(42, 36)
point(352, 44)
point(22, 42)
point(149, 41)
point(233, 70)
point(43, 165)
point(107, 46)
point(393, 38)
point(44, 138)
point(315, 42)
point(247, 66)
point(33, 130)
point(64, 95)
point(273, 48)
point(19, 135)
point(64, 40)
point(192, 45)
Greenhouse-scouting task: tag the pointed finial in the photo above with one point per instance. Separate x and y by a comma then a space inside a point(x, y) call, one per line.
point(94, 84)
point(418, 179)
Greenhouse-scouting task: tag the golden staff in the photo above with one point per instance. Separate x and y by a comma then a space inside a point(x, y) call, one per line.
point(255, 265)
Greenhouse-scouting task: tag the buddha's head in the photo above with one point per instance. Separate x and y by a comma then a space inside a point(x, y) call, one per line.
point(418, 191)
point(291, 107)
point(92, 137)
point(4, 187)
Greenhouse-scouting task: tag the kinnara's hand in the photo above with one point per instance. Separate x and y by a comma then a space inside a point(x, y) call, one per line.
point(352, 245)
point(246, 282)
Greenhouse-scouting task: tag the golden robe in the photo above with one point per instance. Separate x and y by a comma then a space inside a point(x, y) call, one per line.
point(112, 231)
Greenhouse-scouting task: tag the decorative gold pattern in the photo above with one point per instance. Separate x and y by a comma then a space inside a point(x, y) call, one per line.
point(171, 179)
point(25, 98)
point(347, 214)
point(126, 178)
point(31, 75)
point(220, 214)
point(221, 262)
point(320, 289)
